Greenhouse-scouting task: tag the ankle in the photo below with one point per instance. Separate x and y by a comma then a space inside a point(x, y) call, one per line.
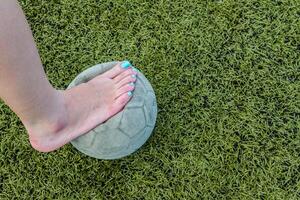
point(52, 117)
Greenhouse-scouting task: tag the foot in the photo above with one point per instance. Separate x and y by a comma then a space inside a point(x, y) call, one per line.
point(84, 107)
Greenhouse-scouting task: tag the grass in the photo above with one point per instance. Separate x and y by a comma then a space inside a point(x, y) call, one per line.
point(227, 79)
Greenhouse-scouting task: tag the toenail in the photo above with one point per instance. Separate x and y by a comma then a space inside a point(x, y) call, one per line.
point(133, 76)
point(129, 94)
point(135, 69)
point(131, 84)
point(125, 64)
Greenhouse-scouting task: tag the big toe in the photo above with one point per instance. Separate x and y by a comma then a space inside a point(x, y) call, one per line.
point(118, 69)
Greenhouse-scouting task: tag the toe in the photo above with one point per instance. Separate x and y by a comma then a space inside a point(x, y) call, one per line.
point(127, 80)
point(121, 101)
point(117, 70)
point(125, 89)
point(125, 74)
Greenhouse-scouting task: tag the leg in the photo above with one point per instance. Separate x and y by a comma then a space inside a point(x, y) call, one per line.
point(52, 117)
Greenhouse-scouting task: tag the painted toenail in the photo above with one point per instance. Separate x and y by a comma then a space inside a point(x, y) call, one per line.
point(131, 84)
point(129, 94)
point(133, 76)
point(135, 69)
point(125, 64)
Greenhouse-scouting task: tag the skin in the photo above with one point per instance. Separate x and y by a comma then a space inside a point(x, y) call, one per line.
point(52, 117)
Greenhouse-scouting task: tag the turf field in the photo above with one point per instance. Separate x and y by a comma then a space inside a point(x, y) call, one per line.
point(227, 79)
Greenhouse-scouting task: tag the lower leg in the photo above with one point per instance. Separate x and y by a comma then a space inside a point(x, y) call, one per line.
point(21, 67)
point(52, 117)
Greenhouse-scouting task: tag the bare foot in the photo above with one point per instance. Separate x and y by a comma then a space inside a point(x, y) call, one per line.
point(82, 108)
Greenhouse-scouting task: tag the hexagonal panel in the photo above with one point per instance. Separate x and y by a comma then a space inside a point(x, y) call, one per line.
point(150, 109)
point(85, 140)
point(139, 89)
point(114, 122)
point(110, 141)
point(140, 139)
point(100, 128)
point(133, 121)
point(140, 84)
point(135, 102)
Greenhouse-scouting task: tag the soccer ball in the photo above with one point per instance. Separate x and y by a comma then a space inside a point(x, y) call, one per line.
point(125, 132)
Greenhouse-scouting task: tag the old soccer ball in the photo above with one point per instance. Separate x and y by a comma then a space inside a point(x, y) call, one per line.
point(125, 132)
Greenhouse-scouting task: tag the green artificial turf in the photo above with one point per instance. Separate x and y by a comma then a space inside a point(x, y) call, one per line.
point(227, 79)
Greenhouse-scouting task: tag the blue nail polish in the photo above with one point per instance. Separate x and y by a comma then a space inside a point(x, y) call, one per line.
point(129, 94)
point(131, 84)
point(135, 69)
point(125, 64)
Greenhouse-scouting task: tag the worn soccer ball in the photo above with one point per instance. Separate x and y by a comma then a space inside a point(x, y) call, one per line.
point(125, 132)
